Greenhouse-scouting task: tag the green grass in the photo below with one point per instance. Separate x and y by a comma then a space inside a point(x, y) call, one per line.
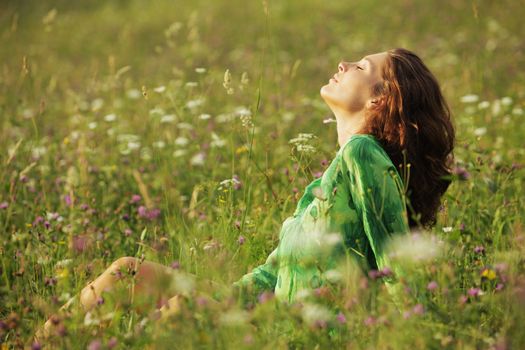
point(67, 67)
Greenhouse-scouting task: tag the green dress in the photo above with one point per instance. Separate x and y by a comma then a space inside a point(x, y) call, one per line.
point(351, 209)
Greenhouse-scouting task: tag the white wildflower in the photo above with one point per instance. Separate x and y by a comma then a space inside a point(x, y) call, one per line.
point(168, 118)
point(185, 126)
point(200, 70)
point(224, 117)
point(312, 312)
point(183, 283)
point(227, 82)
point(145, 153)
point(470, 98)
point(38, 151)
point(160, 89)
point(288, 116)
point(234, 317)
point(197, 159)
point(496, 107)
point(110, 117)
point(181, 141)
point(179, 153)
point(204, 116)
point(191, 84)
point(133, 94)
point(480, 131)
point(159, 144)
point(97, 104)
point(216, 140)
point(447, 229)
point(156, 112)
point(92, 125)
point(133, 145)
point(506, 101)
point(517, 111)
point(128, 138)
point(415, 246)
point(483, 105)
point(192, 104)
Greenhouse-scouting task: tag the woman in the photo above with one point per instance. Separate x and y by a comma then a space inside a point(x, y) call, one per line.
point(391, 119)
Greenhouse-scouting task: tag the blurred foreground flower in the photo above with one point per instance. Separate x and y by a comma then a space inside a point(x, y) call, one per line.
point(415, 247)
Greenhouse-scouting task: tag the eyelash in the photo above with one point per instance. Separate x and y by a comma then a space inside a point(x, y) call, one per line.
point(357, 67)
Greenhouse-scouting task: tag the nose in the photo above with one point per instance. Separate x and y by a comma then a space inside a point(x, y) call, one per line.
point(342, 66)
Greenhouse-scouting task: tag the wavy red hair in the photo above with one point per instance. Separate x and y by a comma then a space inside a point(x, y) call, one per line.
point(413, 124)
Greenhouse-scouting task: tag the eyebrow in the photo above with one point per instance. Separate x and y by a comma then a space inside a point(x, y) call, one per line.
point(369, 61)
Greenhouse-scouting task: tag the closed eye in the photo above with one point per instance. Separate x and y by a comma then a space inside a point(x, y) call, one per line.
point(357, 67)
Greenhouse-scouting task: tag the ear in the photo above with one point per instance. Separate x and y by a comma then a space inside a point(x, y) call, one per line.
point(375, 102)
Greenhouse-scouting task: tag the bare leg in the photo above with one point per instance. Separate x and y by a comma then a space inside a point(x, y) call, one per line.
point(151, 279)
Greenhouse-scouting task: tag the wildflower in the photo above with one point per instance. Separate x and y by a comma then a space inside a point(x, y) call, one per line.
point(204, 116)
point(160, 89)
point(127, 232)
point(470, 98)
point(483, 105)
point(191, 84)
point(4, 205)
point(227, 82)
point(329, 120)
point(475, 292)
point(110, 117)
point(341, 318)
point(499, 286)
point(175, 265)
point(418, 309)
point(95, 345)
point(150, 214)
point(480, 131)
point(265, 296)
point(488, 273)
point(67, 200)
point(241, 240)
point(200, 70)
point(432, 285)
point(370, 321)
point(461, 173)
point(407, 314)
point(315, 314)
point(36, 346)
point(506, 101)
point(479, 249)
point(168, 118)
point(135, 199)
point(197, 159)
point(112, 342)
point(133, 94)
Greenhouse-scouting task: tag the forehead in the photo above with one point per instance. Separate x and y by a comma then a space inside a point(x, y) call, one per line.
point(376, 57)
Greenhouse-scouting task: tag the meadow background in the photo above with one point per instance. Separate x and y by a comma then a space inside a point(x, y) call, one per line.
point(161, 129)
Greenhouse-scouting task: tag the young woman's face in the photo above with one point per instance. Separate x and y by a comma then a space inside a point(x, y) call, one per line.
point(351, 87)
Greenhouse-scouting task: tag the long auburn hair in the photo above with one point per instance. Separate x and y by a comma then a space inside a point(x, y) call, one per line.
point(413, 124)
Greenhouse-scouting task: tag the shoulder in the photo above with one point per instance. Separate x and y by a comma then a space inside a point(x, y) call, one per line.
point(362, 147)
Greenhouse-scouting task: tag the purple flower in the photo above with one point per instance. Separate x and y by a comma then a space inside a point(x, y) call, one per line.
point(265, 296)
point(67, 200)
point(112, 342)
point(241, 240)
point(462, 227)
point(127, 232)
point(95, 345)
point(374, 274)
point(370, 321)
point(418, 309)
point(318, 174)
point(407, 314)
point(47, 225)
point(175, 265)
point(36, 346)
point(4, 205)
point(135, 199)
point(341, 318)
point(142, 211)
point(386, 271)
point(479, 249)
point(84, 207)
point(499, 286)
point(474, 292)
point(432, 286)
point(461, 173)
point(236, 184)
point(38, 220)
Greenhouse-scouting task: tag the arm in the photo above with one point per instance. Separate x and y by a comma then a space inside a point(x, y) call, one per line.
point(261, 278)
point(378, 196)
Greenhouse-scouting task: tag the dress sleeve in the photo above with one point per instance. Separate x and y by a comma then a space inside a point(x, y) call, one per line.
point(259, 279)
point(377, 193)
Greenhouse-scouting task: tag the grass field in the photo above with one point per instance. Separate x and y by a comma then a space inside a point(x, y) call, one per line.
point(160, 129)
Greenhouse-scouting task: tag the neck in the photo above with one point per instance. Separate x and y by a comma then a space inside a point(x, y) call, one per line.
point(348, 125)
